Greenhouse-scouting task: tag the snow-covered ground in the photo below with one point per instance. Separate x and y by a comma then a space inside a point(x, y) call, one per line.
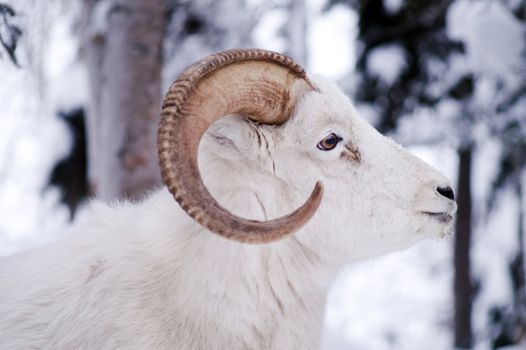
point(400, 301)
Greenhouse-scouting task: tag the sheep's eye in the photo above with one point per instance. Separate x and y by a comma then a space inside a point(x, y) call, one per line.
point(329, 142)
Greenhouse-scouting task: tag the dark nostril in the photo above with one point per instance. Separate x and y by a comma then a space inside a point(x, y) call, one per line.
point(446, 192)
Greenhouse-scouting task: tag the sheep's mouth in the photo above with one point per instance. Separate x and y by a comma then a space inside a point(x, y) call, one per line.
point(442, 217)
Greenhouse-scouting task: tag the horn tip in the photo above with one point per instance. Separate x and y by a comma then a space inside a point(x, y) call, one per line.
point(318, 190)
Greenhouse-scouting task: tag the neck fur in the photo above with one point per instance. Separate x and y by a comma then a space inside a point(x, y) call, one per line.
point(271, 294)
point(255, 296)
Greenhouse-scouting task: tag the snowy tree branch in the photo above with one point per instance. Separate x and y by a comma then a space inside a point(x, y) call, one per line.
point(9, 32)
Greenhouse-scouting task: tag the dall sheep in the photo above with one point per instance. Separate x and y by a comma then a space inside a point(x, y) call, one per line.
point(151, 275)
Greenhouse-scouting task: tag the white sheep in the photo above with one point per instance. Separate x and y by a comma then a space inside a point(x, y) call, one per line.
point(148, 276)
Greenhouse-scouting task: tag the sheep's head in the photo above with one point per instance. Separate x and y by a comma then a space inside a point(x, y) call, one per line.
point(312, 137)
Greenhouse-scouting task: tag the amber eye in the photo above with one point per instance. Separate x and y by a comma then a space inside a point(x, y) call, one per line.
point(329, 142)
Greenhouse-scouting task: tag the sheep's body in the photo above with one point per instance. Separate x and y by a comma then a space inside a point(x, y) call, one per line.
point(158, 282)
point(146, 276)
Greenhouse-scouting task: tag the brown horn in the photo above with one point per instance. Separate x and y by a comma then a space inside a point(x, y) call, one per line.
point(261, 85)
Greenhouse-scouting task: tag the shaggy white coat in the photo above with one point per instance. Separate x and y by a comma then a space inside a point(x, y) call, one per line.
point(145, 276)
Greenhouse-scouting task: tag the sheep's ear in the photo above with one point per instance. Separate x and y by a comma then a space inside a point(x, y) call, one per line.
point(233, 137)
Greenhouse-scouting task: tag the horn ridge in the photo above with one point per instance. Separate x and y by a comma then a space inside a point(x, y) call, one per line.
point(262, 85)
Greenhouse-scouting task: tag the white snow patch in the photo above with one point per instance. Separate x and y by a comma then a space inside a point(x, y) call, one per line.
point(387, 62)
point(267, 34)
point(485, 166)
point(331, 42)
point(494, 38)
point(67, 78)
point(369, 112)
point(399, 301)
point(393, 6)
point(32, 138)
point(427, 125)
point(99, 18)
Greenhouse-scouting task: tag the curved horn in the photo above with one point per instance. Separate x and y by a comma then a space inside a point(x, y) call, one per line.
point(261, 85)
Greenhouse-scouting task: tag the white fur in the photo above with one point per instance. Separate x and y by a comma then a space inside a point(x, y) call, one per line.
point(145, 276)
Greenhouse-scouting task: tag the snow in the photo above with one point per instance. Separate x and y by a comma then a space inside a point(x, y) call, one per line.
point(369, 112)
point(393, 6)
point(32, 138)
point(424, 126)
point(386, 62)
point(99, 20)
point(399, 301)
point(217, 33)
point(66, 76)
point(331, 37)
point(495, 239)
point(331, 42)
point(267, 32)
point(494, 38)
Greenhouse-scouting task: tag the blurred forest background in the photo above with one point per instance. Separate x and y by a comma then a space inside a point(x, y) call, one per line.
point(80, 90)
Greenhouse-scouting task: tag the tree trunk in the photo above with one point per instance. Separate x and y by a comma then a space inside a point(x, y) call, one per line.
point(123, 51)
point(519, 278)
point(463, 287)
point(297, 31)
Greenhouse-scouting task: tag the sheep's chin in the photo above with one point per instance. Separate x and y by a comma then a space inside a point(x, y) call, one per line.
point(436, 225)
